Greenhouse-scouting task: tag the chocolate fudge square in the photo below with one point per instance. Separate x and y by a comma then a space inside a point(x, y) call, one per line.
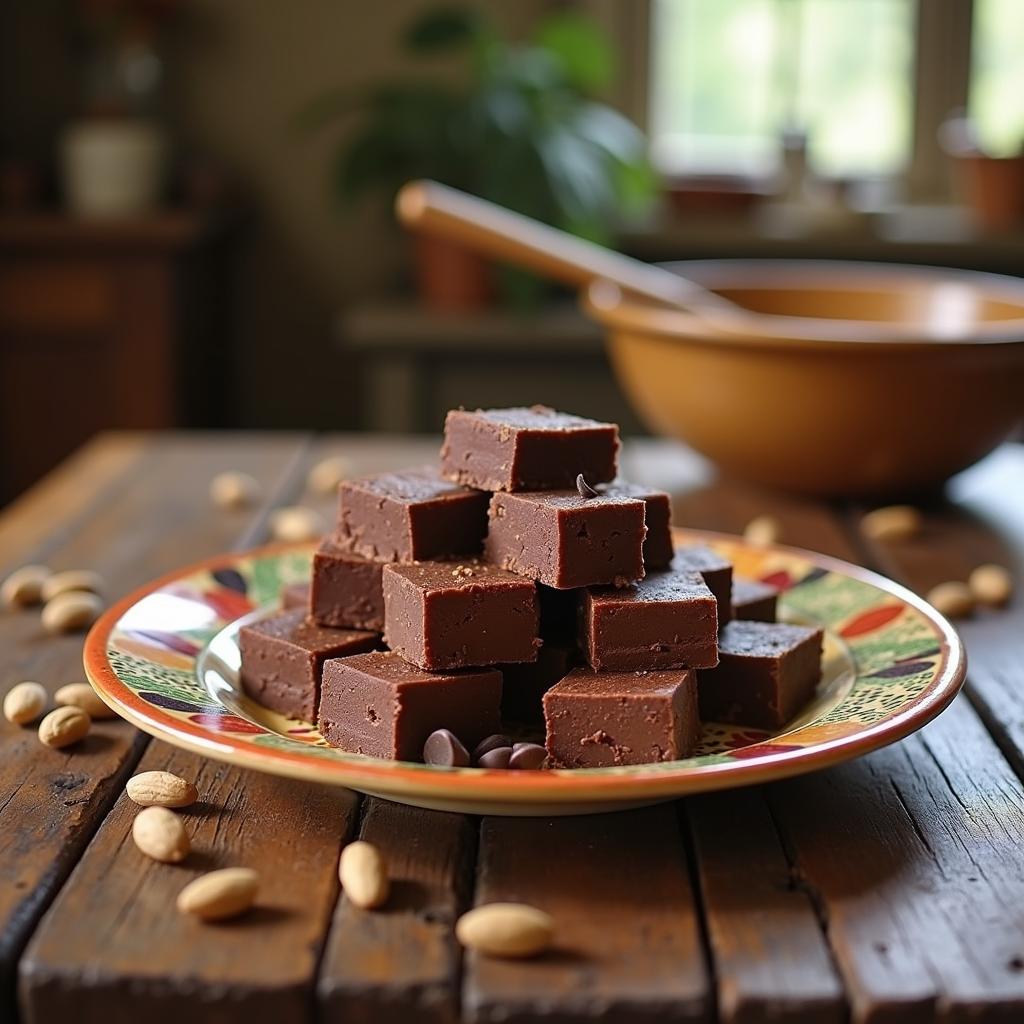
point(658, 548)
point(346, 589)
point(666, 620)
point(766, 673)
point(524, 685)
point(564, 540)
point(531, 449)
point(754, 601)
point(444, 615)
point(599, 719)
point(295, 595)
point(378, 704)
point(716, 570)
point(283, 656)
point(409, 515)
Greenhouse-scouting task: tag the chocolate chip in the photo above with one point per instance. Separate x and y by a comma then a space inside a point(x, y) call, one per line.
point(499, 757)
point(443, 748)
point(527, 756)
point(586, 491)
point(490, 743)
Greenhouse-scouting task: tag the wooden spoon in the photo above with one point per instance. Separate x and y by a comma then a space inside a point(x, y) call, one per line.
point(513, 238)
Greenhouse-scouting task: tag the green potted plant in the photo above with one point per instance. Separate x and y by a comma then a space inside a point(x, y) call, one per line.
point(521, 126)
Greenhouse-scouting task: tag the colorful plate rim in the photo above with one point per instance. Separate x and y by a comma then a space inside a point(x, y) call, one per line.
point(625, 784)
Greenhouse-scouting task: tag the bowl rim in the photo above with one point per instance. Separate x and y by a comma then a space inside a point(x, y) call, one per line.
point(615, 310)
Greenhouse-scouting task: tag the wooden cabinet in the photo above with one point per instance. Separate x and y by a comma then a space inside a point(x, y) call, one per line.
point(106, 325)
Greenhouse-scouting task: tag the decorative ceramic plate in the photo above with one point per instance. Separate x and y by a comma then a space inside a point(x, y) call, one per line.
point(166, 658)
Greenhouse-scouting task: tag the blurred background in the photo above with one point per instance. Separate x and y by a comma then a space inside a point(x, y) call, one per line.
point(195, 196)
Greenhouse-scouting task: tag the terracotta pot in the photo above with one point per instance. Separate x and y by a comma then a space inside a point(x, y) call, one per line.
point(994, 189)
point(449, 277)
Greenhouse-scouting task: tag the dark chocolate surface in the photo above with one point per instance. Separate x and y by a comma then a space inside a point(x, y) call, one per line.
point(753, 600)
point(380, 705)
point(766, 673)
point(716, 570)
point(346, 590)
point(444, 615)
point(524, 685)
point(666, 620)
point(282, 659)
point(600, 719)
point(565, 541)
point(409, 515)
point(523, 449)
point(658, 548)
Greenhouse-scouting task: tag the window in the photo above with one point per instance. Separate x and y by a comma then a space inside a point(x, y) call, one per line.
point(730, 76)
point(997, 76)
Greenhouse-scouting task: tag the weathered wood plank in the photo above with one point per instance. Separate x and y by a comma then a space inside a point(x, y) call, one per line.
point(113, 948)
point(401, 963)
point(771, 961)
point(914, 856)
point(628, 941)
point(152, 514)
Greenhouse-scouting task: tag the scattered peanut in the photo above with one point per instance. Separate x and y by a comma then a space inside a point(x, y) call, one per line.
point(325, 476)
point(64, 726)
point(893, 522)
point(234, 490)
point(506, 930)
point(296, 523)
point(73, 610)
point(953, 599)
point(82, 695)
point(991, 585)
point(364, 875)
point(161, 789)
point(219, 894)
point(24, 703)
point(24, 586)
point(160, 834)
point(763, 530)
point(72, 581)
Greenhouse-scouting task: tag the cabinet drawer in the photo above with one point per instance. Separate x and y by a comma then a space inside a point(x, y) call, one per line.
point(66, 295)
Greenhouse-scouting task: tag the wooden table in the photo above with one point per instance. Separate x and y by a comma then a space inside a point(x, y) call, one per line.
point(887, 889)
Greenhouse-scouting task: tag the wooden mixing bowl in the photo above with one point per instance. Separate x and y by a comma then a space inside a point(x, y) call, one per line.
point(869, 379)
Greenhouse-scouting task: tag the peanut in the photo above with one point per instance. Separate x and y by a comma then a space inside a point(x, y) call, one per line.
point(234, 490)
point(364, 875)
point(325, 476)
point(24, 586)
point(64, 726)
point(72, 580)
point(762, 530)
point(296, 523)
point(70, 611)
point(219, 894)
point(506, 930)
point(953, 599)
point(893, 522)
point(161, 789)
point(160, 834)
point(24, 703)
point(991, 585)
point(82, 695)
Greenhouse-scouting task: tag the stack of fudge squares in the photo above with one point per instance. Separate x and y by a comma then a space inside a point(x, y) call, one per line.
point(522, 583)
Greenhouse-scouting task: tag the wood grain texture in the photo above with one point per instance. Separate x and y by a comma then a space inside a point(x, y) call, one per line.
point(771, 961)
point(150, 514)
point(914, 856)
point(113, 948)
point(628, 943)
point(401, 963)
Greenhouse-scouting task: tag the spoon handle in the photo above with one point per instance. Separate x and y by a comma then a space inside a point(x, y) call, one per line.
point(513, 238)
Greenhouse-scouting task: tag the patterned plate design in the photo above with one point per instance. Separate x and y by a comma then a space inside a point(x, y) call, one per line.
point(166, 658)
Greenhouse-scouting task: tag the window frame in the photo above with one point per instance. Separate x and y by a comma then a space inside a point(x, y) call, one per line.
point(940, 79)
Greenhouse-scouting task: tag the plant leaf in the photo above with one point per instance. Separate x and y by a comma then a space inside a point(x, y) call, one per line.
point(580, 47)
point(443, 30)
